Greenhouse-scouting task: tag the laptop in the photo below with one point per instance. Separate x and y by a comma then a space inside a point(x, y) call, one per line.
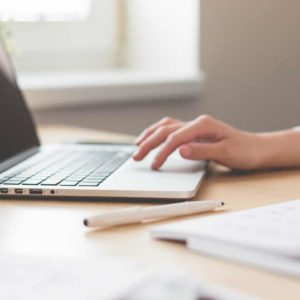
point(87, 171)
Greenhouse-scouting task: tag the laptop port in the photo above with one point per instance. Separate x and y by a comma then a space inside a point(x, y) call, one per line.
point(19, 191)
point(35, 192)
point(4, 190)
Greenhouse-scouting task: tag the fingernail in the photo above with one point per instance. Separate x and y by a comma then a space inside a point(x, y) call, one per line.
point(186, 151)
point(154, 165)
point(135, 155)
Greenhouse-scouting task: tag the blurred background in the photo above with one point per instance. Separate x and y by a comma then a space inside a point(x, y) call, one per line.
point(120, 65)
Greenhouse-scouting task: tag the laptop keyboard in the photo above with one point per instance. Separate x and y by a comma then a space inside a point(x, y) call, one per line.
point(87, 168)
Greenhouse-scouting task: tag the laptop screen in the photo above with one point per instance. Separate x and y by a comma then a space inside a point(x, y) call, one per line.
point(17, 130)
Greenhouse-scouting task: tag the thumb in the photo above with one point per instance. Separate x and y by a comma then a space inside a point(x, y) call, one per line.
point(200, 151)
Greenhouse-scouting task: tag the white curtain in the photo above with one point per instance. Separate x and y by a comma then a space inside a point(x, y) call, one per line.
point(43, 10)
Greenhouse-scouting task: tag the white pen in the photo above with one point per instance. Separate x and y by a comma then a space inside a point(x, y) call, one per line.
point(139, 214)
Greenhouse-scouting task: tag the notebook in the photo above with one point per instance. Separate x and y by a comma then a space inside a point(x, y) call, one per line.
point(267, 237)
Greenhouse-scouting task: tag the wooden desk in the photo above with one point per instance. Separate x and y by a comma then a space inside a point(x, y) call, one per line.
point(55, 228)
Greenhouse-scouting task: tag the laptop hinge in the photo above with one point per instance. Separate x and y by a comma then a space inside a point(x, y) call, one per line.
point(8, 163)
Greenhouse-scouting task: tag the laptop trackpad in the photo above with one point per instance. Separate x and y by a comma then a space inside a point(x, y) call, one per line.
point(177, 174)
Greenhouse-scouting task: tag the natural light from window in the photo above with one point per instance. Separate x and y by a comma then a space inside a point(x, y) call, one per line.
point(46, 10)
point(74, 51)
point(60, 35)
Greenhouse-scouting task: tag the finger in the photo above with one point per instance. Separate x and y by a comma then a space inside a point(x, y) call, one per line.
point(201, 151)
point(204, 128)
point(150, 130)
point(153, 141)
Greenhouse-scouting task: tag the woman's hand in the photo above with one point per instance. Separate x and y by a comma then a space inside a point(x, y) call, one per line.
point(206, 138)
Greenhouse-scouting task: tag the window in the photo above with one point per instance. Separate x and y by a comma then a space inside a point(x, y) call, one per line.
point(163, 35)
point(36, 10)
point(61, 35)
point(105, 50)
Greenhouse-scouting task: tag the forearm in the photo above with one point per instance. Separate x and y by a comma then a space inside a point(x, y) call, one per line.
point(280, 149)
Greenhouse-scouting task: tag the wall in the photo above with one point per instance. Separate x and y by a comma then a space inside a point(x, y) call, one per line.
point(250, 51)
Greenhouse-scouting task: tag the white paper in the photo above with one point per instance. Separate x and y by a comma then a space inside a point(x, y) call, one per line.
point(268, 236)
point(50, 278)
point(42, 278)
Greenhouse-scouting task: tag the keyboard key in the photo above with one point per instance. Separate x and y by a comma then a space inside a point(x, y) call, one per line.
point(55, 178)
point(69, 183)
point(3, 178)
point(93, 179)
point(52, 181)
point(22, 178)
point(98, 176)
point(82, 172)
point(100, 173)
point(88, 184)
point(13, 173)
point(12, 182)
point(73, 177)
point(36, 178)
point(32, 182)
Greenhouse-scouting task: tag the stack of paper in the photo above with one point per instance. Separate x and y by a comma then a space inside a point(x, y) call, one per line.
point(268, 236)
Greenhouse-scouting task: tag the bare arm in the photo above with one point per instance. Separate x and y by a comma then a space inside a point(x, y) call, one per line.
point(209, 139)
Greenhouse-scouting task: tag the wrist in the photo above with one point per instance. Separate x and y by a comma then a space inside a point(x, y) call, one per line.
point(279, 149)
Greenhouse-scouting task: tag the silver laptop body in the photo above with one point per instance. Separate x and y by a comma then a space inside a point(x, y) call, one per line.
point(88, 171)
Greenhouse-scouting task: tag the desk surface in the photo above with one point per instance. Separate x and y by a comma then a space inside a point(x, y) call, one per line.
point(55, 228)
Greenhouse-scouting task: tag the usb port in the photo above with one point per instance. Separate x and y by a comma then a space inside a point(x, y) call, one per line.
point(4, 190)
point(19, 191)
point(35, 191)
